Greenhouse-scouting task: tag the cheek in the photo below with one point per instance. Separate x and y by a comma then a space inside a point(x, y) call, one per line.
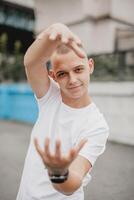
point(61, 83)
point(85, 77)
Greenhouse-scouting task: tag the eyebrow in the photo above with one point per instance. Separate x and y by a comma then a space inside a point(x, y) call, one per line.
point(79, 66)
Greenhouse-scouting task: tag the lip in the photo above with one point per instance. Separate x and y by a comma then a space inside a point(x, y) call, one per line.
point(71, 88)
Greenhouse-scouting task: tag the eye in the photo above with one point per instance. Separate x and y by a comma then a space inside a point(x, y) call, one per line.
point(80, 69)
point(60, 75)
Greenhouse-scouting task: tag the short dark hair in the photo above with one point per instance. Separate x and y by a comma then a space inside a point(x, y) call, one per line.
point(60, 50)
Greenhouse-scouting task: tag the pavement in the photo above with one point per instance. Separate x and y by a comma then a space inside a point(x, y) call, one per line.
point(112, 176)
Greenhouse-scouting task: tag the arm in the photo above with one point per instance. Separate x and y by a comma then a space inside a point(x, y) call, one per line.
point(77, 171)
point(35, 64)
point(77, 165)
point(40, 52)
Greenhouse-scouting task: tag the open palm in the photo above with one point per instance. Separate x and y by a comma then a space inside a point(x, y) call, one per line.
point(57, 163)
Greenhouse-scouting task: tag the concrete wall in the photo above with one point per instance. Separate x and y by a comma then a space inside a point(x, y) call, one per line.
point(123, 10)
point(97, 9)
point(99, 38)
point(119, 9)
point(91, 20)
point(49, 11)
point(116, 101)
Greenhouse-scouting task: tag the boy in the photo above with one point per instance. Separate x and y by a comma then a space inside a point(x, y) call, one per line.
point(70, 132)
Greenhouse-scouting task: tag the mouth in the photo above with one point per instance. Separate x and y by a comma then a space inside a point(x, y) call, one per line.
point(74, 87)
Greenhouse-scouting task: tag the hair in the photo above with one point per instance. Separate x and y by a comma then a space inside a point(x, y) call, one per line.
point(64, 49)
point(60, 50)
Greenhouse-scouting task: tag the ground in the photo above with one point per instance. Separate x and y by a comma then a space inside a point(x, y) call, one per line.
point(112, 176)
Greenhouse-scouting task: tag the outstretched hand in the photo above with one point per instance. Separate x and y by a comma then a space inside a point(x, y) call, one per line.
point(57, 163)
point(60, 32)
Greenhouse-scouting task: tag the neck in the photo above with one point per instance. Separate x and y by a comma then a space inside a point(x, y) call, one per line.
point(77, 102)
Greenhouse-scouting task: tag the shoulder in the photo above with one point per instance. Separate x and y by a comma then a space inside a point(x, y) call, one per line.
point(91, 124)
point(95, 117)
point(52, 94)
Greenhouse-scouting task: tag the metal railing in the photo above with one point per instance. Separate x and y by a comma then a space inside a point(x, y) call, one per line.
point(117, 66)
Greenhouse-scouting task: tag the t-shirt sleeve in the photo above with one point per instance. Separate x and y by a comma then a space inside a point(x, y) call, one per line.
point(96, 143)
point(51, 93)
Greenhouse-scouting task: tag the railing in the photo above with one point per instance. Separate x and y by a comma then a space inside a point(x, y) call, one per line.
point(114, 67)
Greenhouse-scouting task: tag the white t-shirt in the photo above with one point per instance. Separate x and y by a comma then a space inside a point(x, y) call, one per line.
point(70, 125)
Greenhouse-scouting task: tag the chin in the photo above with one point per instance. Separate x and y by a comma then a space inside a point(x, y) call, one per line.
point(76, 96)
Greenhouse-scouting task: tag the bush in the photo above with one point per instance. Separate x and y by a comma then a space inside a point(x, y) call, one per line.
point(11, 65)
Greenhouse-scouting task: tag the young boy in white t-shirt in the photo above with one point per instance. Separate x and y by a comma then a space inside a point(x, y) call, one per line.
point(70, 132)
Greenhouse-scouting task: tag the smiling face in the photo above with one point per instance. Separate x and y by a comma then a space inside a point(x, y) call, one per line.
point(72, 74)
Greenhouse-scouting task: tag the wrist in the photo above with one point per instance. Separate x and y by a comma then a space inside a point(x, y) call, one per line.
point(58, 177)
point(57, 171)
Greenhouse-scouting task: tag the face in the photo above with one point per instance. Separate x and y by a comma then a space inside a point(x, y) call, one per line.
point(72, 74)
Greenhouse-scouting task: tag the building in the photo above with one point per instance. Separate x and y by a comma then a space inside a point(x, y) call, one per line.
point(17, 21)
point(103, 25)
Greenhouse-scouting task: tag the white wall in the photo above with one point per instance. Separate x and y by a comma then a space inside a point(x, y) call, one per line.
point(50, 11)
point(99, 37)
point(85, 31)
point(123, 10)
point(84, 17)
point(96, 37)
point(96, 8)
point(116, 101)
point(103, 37)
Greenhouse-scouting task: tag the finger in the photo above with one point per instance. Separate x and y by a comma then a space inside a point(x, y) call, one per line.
point(39, 150)
point(80, 145)
point(77, 49)
point(58, 149)
point(74, 151)
point(72, 154)
point(40, 36)
point(77, 40)
point(46, 146)
point(53, 35)
point(64, 39)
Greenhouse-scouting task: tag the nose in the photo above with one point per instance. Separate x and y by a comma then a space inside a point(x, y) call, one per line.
point(72, 79)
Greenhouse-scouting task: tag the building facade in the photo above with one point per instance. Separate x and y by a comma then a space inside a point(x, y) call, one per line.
point(17, 21)
point(99, 23)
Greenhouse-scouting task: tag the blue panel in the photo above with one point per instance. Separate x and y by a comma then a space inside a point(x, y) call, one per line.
point(4, 104)
point(17, 102)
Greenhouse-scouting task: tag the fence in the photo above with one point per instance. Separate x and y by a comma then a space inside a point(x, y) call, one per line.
point(118, 66)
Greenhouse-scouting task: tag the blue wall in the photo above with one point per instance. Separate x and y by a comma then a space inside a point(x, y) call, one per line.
point(17, 102)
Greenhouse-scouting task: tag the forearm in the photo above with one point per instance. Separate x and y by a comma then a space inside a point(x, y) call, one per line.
point(73, 182)
point(58, 166)
point(40, 50)
point(46, 43)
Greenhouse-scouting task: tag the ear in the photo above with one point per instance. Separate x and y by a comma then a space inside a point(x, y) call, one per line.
point(91, 65)
point(52, 75)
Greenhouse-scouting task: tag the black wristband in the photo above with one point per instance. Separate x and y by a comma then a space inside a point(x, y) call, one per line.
point(56, 178)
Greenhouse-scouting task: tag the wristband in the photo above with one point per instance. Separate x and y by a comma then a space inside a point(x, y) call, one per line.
point(56, 178)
